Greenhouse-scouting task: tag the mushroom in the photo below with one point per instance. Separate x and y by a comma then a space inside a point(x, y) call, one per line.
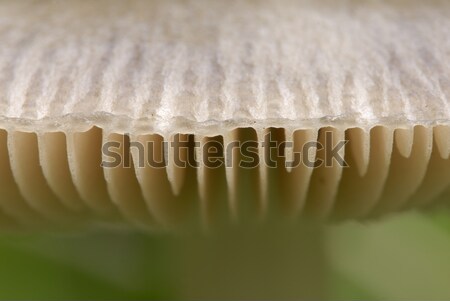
point(167, 115)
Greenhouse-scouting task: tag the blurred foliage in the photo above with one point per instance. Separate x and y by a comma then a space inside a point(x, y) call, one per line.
point(404, 256)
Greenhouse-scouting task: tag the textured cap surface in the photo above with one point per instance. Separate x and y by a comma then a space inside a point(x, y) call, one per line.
point(190, 66)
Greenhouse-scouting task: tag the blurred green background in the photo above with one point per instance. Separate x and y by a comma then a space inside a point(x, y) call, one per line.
point(404, 256)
